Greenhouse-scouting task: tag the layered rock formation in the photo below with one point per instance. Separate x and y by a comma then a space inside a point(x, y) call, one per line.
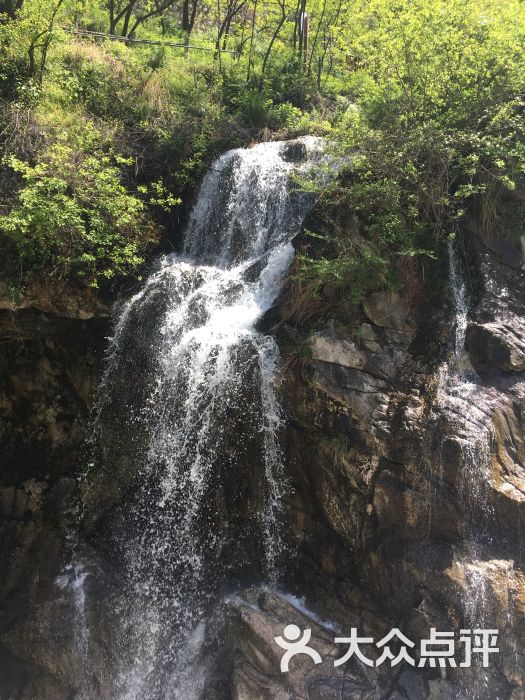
point(408, 476)
point(49, 366)
point(405, 458)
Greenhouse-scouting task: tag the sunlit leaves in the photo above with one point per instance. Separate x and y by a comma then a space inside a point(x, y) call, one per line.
point(73, 216)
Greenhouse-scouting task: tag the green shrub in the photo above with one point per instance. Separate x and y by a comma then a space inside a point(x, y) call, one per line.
point(73, 215)
point(436, 130)
point(354, 274)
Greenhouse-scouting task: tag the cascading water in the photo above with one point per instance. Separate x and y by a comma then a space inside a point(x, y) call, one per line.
point(462, 394)
point(458, 394)
point(465, 403)
point(187, 407)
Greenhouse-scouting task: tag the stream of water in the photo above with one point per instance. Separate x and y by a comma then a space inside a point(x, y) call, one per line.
point(187, 406)
point(459, 394)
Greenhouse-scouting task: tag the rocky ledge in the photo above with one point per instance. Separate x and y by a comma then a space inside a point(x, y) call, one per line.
point(408, 482)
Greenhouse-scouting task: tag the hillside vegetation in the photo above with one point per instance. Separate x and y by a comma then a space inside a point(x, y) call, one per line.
point(103, 140)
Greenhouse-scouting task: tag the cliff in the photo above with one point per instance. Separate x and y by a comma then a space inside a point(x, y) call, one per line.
point(406, 459)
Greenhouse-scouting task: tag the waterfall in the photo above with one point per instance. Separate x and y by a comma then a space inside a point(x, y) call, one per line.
point(187, 418)
point(461, 395)
point(467, 402)
point(459, 300)
point(456, 387)
point(462, 410)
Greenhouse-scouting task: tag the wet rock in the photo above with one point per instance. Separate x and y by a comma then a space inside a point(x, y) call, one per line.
point(442, 690)
point(294, 152)
point(63, 301)
point(386, 309)
point(445, 452)
point(365, 396)
point(255, 618)
point(48, 368)
point(499, 345)
point(413, 684)
point(495, 335)
point(405, 509)
point(22, 502)
point(367, 353)
point(24, 681)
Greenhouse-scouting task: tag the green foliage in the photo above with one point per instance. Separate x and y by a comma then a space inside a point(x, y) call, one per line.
point(356, 274)
point(99, 139)
point(434, 134)
point(255, 109)
point(72, 213)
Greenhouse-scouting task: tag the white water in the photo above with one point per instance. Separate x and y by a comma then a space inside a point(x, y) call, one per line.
point(461, 395)
point(458, 397)
point(189, 391)
point(463, 403)
point(468, 406)
point(72, 581)
point(459, 300)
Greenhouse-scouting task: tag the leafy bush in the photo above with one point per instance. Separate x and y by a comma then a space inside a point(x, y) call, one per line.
point(355, 274)
point(94, 156)
point(73, 215)
point(424, 96)
point(435, 131)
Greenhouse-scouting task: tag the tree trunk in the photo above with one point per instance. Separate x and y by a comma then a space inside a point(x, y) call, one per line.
point(316, 37)
point(274, 37)
point(10, 7)
point(250, 54)
point(186, 15)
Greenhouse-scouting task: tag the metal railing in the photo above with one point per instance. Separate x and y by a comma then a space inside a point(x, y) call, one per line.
point(152, 42)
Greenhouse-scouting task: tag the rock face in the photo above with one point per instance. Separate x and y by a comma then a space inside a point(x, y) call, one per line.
point(406, 506)
point(408, 479)
point(256, 617)
point(49, 366)
point(62, 300)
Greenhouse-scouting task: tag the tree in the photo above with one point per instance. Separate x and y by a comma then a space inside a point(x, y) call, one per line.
point(29, 30)
point(126, 16)
point(189, 15)
point(224, 22)
point(42, 41)
point(10, 8)
point(280, 22)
